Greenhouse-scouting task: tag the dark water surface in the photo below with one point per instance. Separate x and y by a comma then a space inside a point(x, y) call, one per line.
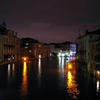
point(48, 79)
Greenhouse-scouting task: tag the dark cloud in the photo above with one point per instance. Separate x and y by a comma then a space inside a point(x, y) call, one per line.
point(51, 20)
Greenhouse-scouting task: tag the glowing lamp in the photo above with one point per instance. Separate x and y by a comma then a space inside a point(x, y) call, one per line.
point(69, 66)
point(39, 56)
point(25, 58)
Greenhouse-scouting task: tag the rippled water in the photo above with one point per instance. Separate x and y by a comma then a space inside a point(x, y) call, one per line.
point(49, 79)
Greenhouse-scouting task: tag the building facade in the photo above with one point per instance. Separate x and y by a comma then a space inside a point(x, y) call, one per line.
point(95, 56)
point(9, 46)
point(33, 49)
point(85, 45)
point(27, 47)
point(41, 50)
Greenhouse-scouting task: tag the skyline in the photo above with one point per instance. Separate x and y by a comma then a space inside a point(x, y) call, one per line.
point(51, 20)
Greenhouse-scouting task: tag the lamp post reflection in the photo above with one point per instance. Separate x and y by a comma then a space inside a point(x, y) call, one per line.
point(39, 71)
point(13, 69)
point(61, 64)
point(24, 79)
point(98, 87)
point(71, 84)
point(39, 68)
point(9, 72)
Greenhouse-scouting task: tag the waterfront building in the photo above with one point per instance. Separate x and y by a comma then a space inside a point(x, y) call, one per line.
point(84, 47)
point(34, 49)
point(27, 47)
point(57, 48)
point(65, 46)
point(81, 49)
point(52, 49)
point(9, 45)
point(95, 56)
point(41, 50)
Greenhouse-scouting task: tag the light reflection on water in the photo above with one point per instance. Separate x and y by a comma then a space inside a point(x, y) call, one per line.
point(24, 79)
point(13, 65)
point(11, 71)
point(39, 68)
point(72, 85)
point(64, 79)
point(39, 71)
point(61, 65)
point(98, 87)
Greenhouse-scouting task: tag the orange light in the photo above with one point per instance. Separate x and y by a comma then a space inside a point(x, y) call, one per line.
point(69, 66)
point(25, 58)
point(73, 58)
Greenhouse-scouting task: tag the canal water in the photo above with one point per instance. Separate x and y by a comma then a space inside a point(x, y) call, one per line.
point(49, 79)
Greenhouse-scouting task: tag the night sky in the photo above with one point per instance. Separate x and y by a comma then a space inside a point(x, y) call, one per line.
point(50, 20)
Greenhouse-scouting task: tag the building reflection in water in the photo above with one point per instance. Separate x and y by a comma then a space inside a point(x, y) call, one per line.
point(24, 79)
point(71, 84)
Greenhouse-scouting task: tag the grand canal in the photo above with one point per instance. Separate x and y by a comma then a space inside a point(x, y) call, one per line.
point(49, 79)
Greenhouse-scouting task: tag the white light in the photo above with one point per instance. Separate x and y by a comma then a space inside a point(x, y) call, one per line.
point(50, 54)
point(98, 72)
point(63, 54)
point(26, 47)
point(30, 51)
point(59, 54)
point(60, 50)
point(39, 56)
point(9, 59)
point(27, 43)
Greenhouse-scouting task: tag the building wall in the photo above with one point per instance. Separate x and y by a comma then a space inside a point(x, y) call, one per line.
point(1, 48)
point(90, 38)
point(34, 50)
point(10, 47)
point(95, 55)
point(81, 49)
point(41, 49)
point(85, 48)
